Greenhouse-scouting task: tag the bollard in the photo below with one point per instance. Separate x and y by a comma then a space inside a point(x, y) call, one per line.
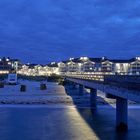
point(1, 84)
point(23, 88)
point(43, 86)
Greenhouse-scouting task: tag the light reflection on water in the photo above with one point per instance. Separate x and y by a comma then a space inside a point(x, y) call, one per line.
point(66, 123)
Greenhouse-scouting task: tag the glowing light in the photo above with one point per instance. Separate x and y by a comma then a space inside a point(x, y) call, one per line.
point(71, 59)
point(53, 63)
point(138, 58)
point(84, 58)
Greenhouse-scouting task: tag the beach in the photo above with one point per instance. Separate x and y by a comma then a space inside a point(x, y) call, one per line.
point(54, 94)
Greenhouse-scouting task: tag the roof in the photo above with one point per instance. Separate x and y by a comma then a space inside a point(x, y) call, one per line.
point(14, 60)
point(52, 65)
point(101, 59)
point(126, 60)
point(31, 65)
point(78, 60)
point(98, 60)
point(122, 60)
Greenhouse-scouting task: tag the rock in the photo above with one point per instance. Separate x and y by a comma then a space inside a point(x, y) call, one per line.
point(23, 88)
point(1, 84)
point(43, 86)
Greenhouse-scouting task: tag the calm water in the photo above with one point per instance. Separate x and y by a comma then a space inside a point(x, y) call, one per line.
point(64, 123)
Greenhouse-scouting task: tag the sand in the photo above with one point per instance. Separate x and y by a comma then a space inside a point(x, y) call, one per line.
point(55, 94)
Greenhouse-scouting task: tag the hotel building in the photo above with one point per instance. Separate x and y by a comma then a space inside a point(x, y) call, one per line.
point(85, 65)
point(100, 66)
point(7, 64)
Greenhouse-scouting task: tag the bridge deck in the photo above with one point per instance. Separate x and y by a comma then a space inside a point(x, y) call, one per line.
point(127, 91)
point(122, 88)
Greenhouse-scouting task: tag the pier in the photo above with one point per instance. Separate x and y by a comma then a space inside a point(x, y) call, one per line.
point(122, 88)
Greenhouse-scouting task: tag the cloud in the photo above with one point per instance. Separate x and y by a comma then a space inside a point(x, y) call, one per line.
point(46, 30)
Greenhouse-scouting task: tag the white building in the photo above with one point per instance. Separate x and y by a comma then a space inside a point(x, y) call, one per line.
point(53, 68)
point(135, 66)
point(85, 65)
point(120, 66)
point(62, 67)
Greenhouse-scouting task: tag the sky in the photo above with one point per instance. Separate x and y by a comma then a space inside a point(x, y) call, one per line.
point(41, 31)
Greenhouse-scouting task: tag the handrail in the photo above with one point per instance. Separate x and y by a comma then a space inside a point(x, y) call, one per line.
point(97, 77)
point(127, 81)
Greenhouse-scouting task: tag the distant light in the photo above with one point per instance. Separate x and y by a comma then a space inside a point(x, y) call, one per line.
point(103, 58)
point(84, 58)
point(71, 59)
point(138, 58)
point(79, 64)
point(52, 63)
point(9, 63)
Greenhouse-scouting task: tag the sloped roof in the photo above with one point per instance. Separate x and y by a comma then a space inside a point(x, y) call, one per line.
point(14, 60)
point(121, 60)
point(31, 65)
point(98, 60)
point(52, 65)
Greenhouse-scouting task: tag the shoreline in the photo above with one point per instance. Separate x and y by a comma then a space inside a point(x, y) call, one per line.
point(55, 95)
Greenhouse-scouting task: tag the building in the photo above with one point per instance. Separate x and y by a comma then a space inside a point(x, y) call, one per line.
point(120, 66)
point(62, 67)
point(7, 64)
point(134, 66)
point(53, 68)
point(82, 65)
point(85, 65)
point(101, 65)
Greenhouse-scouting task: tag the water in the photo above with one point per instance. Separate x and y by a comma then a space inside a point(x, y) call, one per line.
point(44, 122)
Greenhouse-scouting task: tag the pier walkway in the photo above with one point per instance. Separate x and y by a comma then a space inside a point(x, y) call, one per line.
point(121, 88)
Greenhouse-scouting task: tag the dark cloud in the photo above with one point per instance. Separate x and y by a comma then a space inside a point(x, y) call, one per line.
point(52, 30)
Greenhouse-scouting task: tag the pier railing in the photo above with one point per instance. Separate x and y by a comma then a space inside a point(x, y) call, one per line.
point(124, 81)
point(97, 77)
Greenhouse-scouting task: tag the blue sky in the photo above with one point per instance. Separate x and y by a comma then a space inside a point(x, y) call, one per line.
point(40, 31)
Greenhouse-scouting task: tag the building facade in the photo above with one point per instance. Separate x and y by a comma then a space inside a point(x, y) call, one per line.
point(8, 64)
point(85, 65)
point(101, 65)
point(134, 66)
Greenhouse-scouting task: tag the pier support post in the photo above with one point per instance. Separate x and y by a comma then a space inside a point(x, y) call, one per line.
point(121, 114)
point(81, 89)
point(93, 98)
